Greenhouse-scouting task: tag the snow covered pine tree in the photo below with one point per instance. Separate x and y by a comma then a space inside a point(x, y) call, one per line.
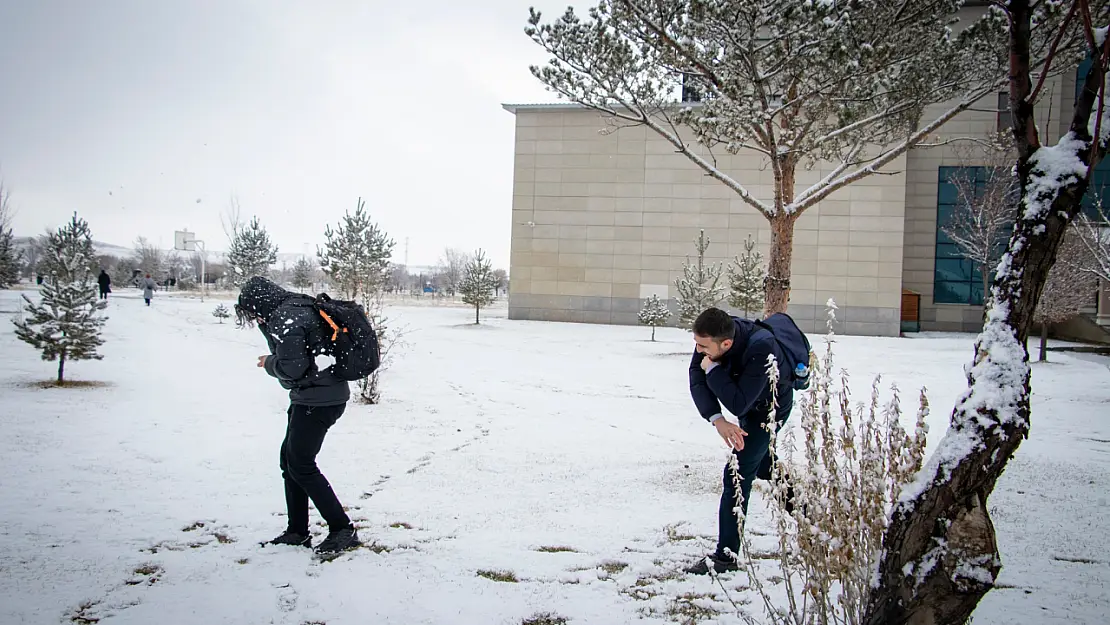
point(477, 284)
point(251, 253)
point(356, 258)
point(700, 286)
point(747, 279)
point(221, 312)
point(66, 324)
point(654, 313)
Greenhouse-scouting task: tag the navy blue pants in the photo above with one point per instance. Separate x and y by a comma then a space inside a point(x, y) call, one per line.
point(304, 435)
point(753, 462)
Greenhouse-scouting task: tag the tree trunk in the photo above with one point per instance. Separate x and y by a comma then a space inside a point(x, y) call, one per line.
point(1044, 342)
point(61, 369)
point(778, 267)
point(940, 555)
point(653, 333)
point(477, 313)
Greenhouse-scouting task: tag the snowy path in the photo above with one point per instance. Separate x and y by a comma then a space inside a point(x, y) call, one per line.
point(144, 501)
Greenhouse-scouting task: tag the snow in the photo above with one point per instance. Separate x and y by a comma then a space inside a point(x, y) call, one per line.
point(145, 499)
point(1053, 167)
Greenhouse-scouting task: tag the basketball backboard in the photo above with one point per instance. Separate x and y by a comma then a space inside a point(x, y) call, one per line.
point(184, 241)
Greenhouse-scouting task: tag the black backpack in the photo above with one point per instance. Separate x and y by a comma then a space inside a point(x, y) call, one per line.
point(795, 346)
point(349, 337)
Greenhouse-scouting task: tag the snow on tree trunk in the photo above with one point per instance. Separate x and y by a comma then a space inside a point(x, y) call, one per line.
point(940, 554)
point(700, 286)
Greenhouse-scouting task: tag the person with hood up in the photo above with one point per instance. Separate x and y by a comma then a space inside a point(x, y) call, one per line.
point(292, 329)
point(104, 281)
point(149, 286)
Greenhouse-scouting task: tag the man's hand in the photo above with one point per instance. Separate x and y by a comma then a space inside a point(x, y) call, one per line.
point(706, 361)
point(262, 362)
point(731, 433)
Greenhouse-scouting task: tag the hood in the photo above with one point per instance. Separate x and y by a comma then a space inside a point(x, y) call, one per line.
point(744, 330)
point(262, 297)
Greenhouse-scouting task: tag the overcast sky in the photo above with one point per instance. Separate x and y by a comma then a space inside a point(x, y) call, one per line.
point(146, 116)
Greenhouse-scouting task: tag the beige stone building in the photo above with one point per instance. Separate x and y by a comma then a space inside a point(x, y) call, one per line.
point(603, 218)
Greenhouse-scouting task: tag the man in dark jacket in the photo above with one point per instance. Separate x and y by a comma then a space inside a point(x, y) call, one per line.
point(317, 398)
point(105, 283)
point(729, 368)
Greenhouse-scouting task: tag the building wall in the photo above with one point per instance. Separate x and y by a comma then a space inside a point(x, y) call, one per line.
point(602, 220)
point(922, 167)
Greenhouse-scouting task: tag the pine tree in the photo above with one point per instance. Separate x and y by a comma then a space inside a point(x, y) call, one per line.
point(654, 313)
point(9, 259)
point(746, 280)
point(478, 284)
point(302, 273)
point(356, 258)
point(356, 255)
point(66, 324)
point(700, 286)
point(221, 312)
point(251, 253)
point(74, 240)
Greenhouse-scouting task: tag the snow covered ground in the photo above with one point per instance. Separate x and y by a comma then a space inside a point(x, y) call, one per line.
point(566, 457)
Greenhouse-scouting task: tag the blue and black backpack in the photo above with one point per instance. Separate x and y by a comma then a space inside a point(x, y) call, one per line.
point(795, 346)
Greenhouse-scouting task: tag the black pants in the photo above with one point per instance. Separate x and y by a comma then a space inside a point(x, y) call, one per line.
point(304, 435)
point(753, 462)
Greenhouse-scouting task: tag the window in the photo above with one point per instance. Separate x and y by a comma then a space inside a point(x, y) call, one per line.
point(1005, 119)
point(1100, 177)
point(956, 280)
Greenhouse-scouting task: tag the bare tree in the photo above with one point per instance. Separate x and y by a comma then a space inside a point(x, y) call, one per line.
point(502, 277)
point(398, 278)
point(1094, 235)
point(1069, 287)
point(6, 210)
point(940, 553)
point(983, 218)
point(149, 258)
point(450, 269)
point(232, 219)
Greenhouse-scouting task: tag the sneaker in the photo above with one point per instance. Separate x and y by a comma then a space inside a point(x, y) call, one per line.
point(291, 538)
point(339, 540)
point(721, 564)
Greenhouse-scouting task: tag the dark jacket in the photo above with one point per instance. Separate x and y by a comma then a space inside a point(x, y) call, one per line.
point(104, 280)
point(291, 327)
point(739, 381)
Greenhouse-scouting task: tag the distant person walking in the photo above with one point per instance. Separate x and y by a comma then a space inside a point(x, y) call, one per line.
point(105, 282)
point(149, 286)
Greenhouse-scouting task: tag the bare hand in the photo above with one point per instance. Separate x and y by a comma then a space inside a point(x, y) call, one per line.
point(262, 362)
point(705, 362)
point(732, 434)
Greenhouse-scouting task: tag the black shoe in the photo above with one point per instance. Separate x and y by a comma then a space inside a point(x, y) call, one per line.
point(721, 564)
point(291, 538)
point(339, 540)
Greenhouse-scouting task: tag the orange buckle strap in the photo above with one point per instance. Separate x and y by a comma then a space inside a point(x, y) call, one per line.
point(334, 327)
